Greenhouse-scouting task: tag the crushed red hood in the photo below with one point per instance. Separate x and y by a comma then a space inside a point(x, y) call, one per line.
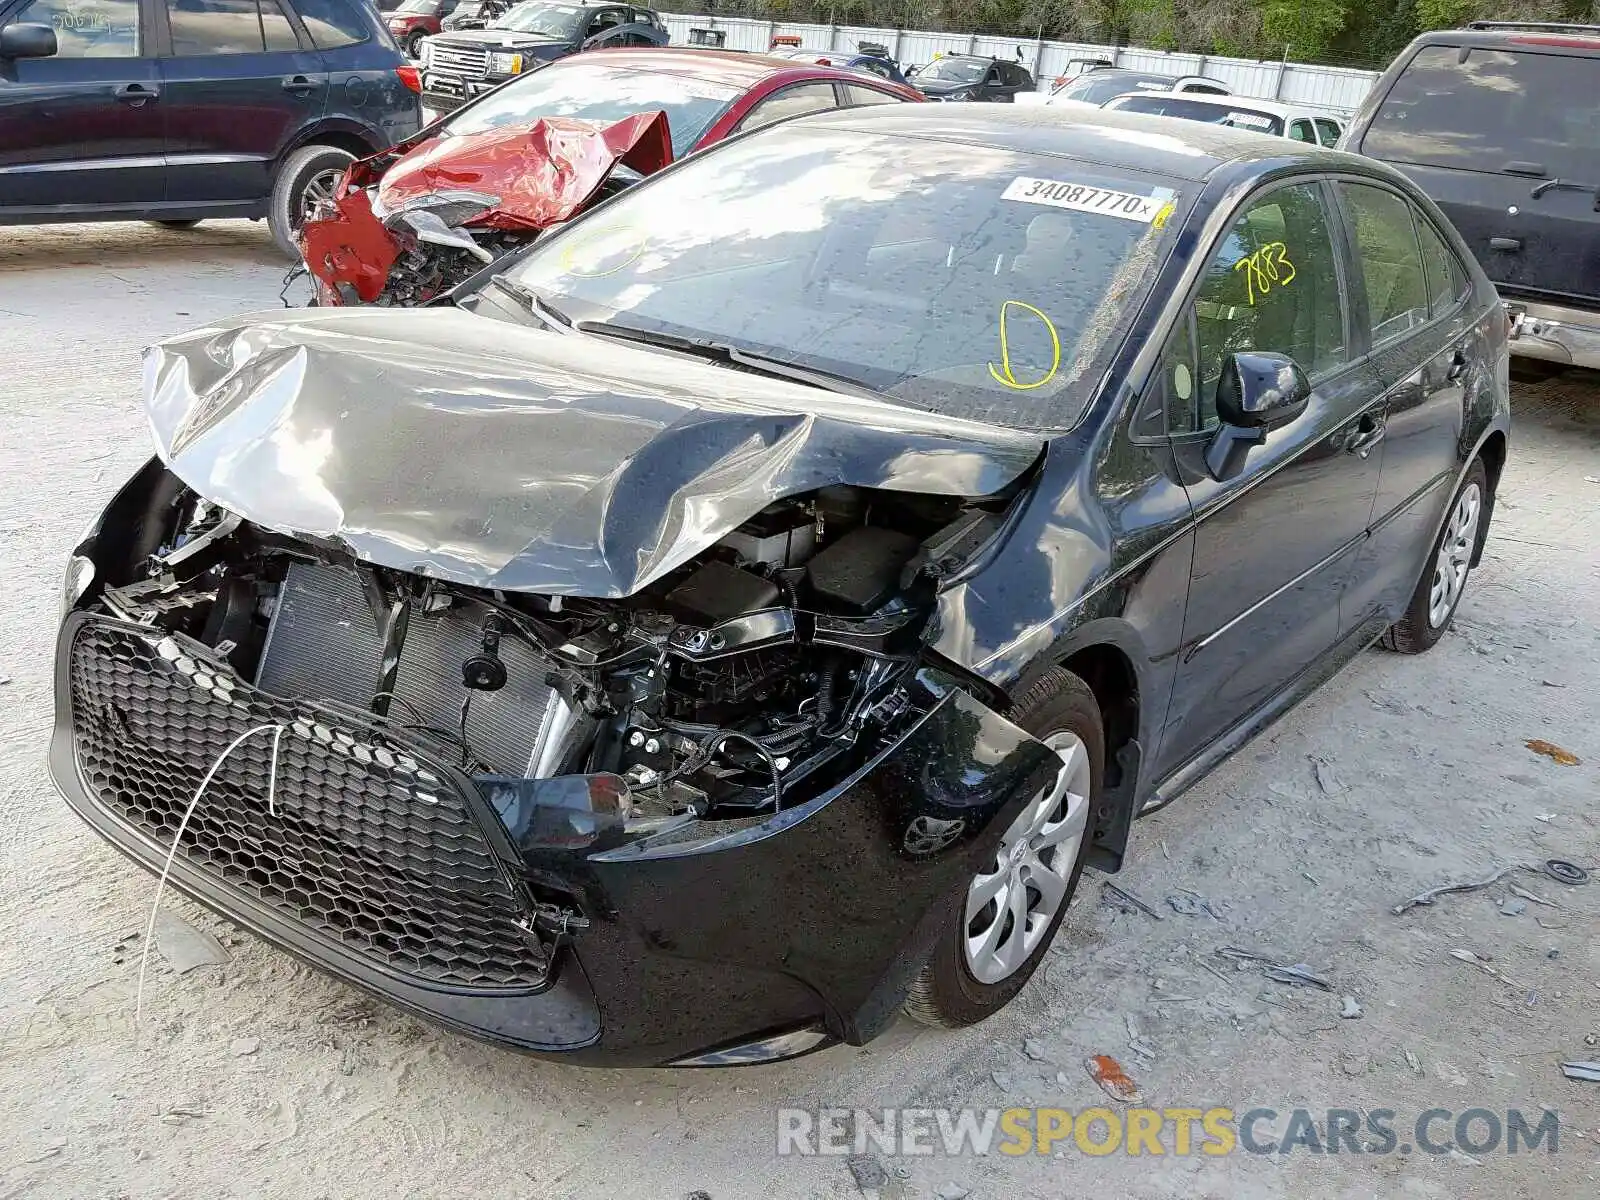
point(543, 173)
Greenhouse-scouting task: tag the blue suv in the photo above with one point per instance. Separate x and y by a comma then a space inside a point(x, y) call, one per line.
point(174, 111)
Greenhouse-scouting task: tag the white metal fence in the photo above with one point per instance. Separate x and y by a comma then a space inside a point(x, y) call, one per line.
point(1339, 89)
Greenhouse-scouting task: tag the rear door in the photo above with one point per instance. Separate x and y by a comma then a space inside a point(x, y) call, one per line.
point(1507, 141)
point(1414, 300)
point(82, 128)
point(238, 85)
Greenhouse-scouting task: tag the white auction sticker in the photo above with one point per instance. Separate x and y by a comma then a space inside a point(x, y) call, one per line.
point(1060, 193)
point(1253, 120)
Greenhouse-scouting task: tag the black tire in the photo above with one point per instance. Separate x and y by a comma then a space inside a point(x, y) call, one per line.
point(286, 209)
point(1417, 630)
point(414, 45)
point(947, 993)
point(176, 224)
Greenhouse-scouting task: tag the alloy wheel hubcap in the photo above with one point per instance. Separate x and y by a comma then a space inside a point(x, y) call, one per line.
point(1455, 556)
point(1010, 907)
point(318, 188)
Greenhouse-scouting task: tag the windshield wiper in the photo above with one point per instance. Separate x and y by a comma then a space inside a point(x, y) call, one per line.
point(533, 303)
point(728, 354)
point(1572, 185)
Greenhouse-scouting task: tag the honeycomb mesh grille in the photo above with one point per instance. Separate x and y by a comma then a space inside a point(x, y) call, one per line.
point(365, 845)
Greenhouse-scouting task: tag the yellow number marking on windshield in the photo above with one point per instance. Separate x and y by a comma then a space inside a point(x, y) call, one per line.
point(1003, 374)
point(1267, 268)
point(571, 268)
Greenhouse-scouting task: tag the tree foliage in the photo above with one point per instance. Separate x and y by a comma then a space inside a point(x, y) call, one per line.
point(1336, 31)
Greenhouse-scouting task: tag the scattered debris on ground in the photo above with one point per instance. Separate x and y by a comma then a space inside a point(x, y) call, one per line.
point(1299, 974)
point(1128, 900)
point(1113, 1080)
point(1553, 752)
point(1349, 1008)
point(185, 947)
point(1585, 1072)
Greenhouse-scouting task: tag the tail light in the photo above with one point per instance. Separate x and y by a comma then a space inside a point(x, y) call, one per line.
point(411, 77)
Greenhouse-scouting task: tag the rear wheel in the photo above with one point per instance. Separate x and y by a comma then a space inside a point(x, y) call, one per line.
point(1444, 578)
point(1000, 924)
point(308, 175)
point(414, 45)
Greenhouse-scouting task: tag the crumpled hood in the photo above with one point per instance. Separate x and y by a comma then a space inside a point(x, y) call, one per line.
point(494, 455)
point(543, 171)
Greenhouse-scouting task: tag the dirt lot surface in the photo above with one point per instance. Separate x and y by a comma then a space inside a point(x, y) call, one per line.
point(261, 1078)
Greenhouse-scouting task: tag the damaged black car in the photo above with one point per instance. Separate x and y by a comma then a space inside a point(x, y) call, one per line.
point(741, 616)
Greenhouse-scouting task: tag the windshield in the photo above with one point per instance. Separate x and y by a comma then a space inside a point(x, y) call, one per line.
point(426, 7)
point(972, 281)
point(955, 70)
point(1210, 111)
point(549, 20)
point(1483, 109)
point(594, 92)
point(1103, 86)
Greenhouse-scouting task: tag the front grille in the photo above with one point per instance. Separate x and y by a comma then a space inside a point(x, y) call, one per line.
point(463, 62)
point(367, 844)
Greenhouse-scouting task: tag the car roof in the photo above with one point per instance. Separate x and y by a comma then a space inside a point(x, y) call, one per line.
point(1137, 141)
point(1499, 35)
point(733, 68)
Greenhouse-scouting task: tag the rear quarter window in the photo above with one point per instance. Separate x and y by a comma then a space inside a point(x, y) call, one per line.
point(332, 23)
point(1480, 109)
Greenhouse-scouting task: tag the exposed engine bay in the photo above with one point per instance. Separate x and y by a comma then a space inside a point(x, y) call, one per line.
point(714, 691)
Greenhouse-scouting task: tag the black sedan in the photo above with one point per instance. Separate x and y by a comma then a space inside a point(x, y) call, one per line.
point(744, 615)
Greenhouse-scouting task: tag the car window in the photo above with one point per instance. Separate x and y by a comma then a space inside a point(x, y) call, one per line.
point(855, 96)
point(609, 18)
point(1480, 109)
point(202, 27)
point(1447, 282)
point(1205, 89)
point(332, 23)
point(790, 102)
point(1100, 87)
point(976, 281)
point(96, 29)
point(1327, 131)
point(1301, 131)
point(1273, 284)
point(877, 68)
point(1391, 262)
point(1190, 108)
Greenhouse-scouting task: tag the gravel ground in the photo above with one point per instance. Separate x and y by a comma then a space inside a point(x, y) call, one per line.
point(262, 1078)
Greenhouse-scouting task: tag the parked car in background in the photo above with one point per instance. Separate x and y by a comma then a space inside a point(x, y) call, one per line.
point(458, 66)
point(877, 64)
point(1500, 124)
point(972, 77)
point(476, 14)
point(930, 490)
point(539, 149)
point(417, 19)
point(175, 111)
point(1079, 66)
point(1097, 87)
point(1259, 116)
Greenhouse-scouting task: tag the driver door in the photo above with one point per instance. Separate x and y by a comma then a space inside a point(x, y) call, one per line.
point(1273, 545)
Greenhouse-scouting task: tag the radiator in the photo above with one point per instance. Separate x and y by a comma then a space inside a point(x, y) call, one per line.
point(323, 644)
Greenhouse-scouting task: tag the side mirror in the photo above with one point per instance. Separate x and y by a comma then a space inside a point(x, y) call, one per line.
point(27, 40)
point(1258, 391)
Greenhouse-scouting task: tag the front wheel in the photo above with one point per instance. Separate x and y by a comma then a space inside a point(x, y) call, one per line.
point(1444, 577)
point(414, 45)
point(1000, 924)
point(307, 176)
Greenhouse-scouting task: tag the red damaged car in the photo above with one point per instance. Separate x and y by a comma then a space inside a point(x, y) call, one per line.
point(412, 222)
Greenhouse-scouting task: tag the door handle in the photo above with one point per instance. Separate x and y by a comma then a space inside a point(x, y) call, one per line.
point(1505, 245)
point(1369, 432)
point(299, 84)
point(1457, 368)
point(135, 93)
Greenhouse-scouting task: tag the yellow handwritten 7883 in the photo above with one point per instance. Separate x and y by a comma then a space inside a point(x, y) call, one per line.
point(1267, 268)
